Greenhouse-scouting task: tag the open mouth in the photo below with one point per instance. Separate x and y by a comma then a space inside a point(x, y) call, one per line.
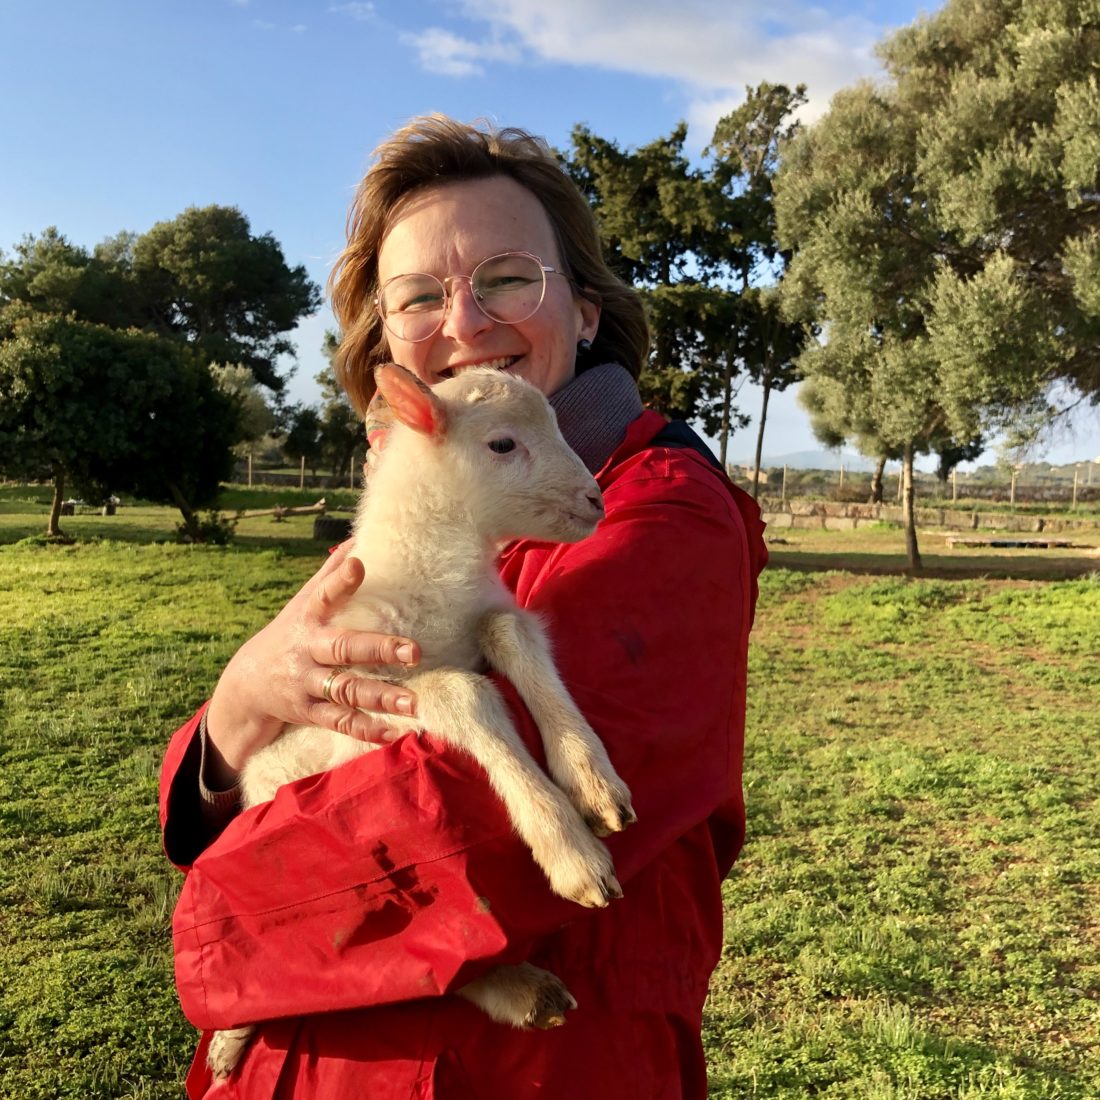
point(505, 362)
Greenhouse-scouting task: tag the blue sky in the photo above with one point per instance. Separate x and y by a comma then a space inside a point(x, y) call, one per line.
point(121, 113)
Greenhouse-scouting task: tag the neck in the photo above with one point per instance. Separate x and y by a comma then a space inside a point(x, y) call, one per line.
point(594, 411)
point(413, 523)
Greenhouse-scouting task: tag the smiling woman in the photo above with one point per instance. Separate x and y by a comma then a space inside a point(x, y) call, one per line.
point(343, 916)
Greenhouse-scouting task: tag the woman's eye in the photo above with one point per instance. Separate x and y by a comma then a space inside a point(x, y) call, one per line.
point(502, 446)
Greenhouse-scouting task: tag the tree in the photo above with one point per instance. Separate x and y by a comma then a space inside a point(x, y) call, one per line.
point(255, 416)
point(303, 437)
point(668, 230)
point(943, 224)
point(342, 430)
point(1008, 148)
point(50, 274)
point(205, 279)
point(746, 147)
point(104, 409)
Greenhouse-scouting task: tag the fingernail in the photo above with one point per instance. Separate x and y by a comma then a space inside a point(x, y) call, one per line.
point(404, 705)
point(391, 735)
point(405, 653)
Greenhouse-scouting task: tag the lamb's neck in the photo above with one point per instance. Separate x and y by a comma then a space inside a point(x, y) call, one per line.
point(433, 541)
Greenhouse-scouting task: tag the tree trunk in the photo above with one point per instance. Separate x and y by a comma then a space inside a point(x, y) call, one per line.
point(876, 480)
point(727, 400)
point(190, 520)
point(767, 383)
point(909, 512)
point(53, 524)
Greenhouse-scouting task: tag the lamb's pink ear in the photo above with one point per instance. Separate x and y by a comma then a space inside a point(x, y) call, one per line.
point(410, 401)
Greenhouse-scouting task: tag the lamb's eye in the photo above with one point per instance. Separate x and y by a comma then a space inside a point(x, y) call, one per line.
point(502, 446)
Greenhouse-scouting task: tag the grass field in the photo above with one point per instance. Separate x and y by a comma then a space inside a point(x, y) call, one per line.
point(916, 914)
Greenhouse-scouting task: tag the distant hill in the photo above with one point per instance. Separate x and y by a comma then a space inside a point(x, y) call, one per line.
point(815, 460)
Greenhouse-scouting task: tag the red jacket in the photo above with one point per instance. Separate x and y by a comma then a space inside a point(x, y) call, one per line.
point(342, 912)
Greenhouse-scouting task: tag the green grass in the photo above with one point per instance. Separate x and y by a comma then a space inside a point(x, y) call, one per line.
point(915, 911)
point(914, 915)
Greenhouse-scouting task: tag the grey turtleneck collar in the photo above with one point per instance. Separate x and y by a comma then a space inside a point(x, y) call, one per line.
point(594, 411)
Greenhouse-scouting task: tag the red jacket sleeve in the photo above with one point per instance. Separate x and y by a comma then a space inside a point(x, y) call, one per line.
point(398, 876)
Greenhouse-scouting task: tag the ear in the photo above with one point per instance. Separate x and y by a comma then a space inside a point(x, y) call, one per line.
point(410, 401)
point(588, 317)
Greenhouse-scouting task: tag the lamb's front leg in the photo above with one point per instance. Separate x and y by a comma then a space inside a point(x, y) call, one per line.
point(514, 643)
point(466, 710)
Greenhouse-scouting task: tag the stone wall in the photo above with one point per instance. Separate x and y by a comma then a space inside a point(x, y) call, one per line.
point(837, 516)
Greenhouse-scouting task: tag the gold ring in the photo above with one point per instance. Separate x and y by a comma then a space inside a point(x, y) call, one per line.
point(326, 690)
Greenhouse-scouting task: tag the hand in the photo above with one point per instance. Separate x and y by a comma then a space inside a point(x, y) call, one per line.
point(278, 676)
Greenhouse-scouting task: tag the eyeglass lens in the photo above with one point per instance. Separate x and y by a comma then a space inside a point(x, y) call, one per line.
point(507, 288)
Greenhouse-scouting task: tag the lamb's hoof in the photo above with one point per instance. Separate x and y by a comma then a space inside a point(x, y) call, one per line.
point(604, 803)
point(225, 1051)
point(552, 1002)
point(586, 877)
point(613, 821)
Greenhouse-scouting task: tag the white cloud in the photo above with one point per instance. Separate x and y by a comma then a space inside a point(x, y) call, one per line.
point(713, 48)
point(447, 54)
point(362, 11)
point(263, 25)
point(298, 28)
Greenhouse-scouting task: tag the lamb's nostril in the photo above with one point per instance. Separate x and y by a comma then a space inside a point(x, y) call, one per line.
point(596, 500)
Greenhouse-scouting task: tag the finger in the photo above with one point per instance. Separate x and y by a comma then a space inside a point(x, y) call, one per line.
point(332, 562)
point(334, 589)
point(363, 647)
point(359, 727)
point(362, 693)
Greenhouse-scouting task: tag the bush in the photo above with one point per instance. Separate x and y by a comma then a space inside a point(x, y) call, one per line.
point(213, 529)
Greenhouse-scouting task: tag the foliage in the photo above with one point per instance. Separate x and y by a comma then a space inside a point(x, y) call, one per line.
point(213, 528)
point(204, 278)
point(670, 231)
point(945, 227)
point(303, 435)
point(104, 409)
point(342, 432)
point(691, 239)
point(255, 416)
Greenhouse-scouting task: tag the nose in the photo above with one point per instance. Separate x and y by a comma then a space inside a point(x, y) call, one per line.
point(464, 319)
point(593, 502)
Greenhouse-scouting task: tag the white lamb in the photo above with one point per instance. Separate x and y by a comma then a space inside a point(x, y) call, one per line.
point(473, 463)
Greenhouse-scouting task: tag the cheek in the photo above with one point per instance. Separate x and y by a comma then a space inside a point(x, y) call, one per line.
point(413, 357)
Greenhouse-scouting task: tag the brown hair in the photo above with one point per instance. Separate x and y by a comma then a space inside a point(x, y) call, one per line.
point(433, 150)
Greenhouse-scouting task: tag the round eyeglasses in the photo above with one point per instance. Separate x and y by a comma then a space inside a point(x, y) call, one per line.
point(508, 288)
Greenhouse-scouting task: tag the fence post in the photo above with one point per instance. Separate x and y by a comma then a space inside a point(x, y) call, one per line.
point(842, 477)
point(784, 498)
point(351, 471)
point(302, 474)
point(250, 469)
point(954, 485)
point(1012, 490)
point(1076, 474)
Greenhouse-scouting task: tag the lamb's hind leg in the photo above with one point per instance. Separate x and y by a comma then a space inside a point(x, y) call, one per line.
point(521, 996)
point(515, 644)
point(466, 710)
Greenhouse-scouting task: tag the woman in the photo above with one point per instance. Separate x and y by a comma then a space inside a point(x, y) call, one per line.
point(342, 914)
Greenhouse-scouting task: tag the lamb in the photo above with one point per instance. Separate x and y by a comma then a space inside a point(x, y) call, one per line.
point(473, 463)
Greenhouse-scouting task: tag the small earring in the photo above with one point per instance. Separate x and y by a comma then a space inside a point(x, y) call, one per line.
point(584, 347)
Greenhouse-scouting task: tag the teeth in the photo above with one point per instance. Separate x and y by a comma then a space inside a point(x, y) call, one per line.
point(495, 364)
